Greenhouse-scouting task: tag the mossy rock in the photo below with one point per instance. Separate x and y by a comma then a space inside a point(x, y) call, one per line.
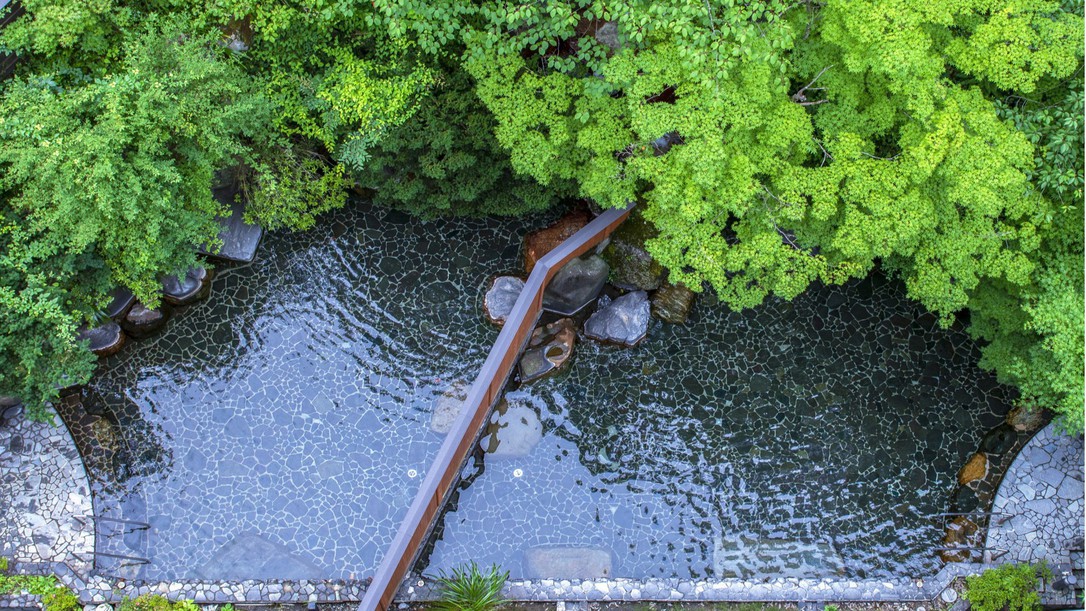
point(632, 267)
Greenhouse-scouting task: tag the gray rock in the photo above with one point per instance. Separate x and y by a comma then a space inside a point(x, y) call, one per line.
point(567, 562)
point(607, 35)
point(239, 239)
point(575, 285)
point(182, 290)
point(548, 350)
point(632, 267)
point(624, 321)
point(514, 430)
point(501, 298)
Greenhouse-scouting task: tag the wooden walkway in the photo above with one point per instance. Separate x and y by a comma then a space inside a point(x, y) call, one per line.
point(484, 393)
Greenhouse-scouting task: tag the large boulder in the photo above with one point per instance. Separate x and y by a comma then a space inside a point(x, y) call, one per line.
point(195, 284)
point(501, 298)
point(141, 321)
point(548, 350)
point(624, 321)
point(672, 303)
point(105, 340)
point(575, 285)
point(542, 241)
point(513, 431)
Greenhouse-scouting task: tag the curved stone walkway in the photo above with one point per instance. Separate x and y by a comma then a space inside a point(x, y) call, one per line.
point(43, 489)
point(1042, 495)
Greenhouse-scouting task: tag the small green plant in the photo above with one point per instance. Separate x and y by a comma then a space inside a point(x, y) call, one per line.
point(470, 589)
point(156, 603)
point(830, 608)
point(1010, 586)
point(54, 596)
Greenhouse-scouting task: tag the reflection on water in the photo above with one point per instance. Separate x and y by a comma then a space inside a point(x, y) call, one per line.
point(281, 428)
point(799, 439)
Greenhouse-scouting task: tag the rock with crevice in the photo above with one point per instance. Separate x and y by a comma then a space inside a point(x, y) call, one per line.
point(193, 285)
point(548, 350)
point(500, 299)
point(575, 285)
point(672, 303)
point(104, 340)
point(624, 321)
point(541, 241)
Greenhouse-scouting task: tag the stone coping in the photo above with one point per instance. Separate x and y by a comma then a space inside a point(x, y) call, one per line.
point(725, 590)
point(97, 590)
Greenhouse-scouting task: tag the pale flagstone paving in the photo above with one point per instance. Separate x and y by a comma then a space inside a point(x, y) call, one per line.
point(43, 490)
point(1041, 503)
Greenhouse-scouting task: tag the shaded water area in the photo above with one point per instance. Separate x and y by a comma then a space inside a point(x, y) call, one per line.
point(804, 439)
point(281, 429)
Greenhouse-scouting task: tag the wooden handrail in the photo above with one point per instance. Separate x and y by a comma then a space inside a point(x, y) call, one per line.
point(484, 393)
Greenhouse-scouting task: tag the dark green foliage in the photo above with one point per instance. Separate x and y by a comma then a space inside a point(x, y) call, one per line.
point(149, 602)
point(445, 160)
point(470, 589)
point(1010, 586)
point(54, 596)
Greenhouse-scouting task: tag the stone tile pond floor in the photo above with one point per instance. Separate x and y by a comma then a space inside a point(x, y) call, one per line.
point(280, 429)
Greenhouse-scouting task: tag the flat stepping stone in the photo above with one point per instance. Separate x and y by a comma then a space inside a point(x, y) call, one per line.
point(182, 290)
point(239, 239)
point(500, 299)
point(624, 321)
point(575, 285)
point(141, 321)
point(548, 350)
point(105, 340)
point(567, 562)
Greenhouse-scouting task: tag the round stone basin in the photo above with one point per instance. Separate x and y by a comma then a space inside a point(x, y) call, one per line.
point(807, 439)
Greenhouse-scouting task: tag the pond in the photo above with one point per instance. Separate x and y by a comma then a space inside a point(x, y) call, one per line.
point(281, 428)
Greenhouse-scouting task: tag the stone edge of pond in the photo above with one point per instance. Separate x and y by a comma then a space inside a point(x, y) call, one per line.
point(97, 590)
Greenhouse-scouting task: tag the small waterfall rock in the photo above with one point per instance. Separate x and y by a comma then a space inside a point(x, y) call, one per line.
point(548, 350)
point(575, 285)
point(623, 321)
point(182, 290)
point(105, 340)
point(672, 303)
point(501, 297)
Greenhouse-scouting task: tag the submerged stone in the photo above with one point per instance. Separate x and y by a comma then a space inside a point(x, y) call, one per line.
point(632, 267)
point(447, 408)
point(548, 350)
point(514, 430)
point(567, 562)
point(975, 469)
point(623, 321)
point(672, 303)
point(575, 285)
point(501, 298)
point(105, 340)
point(540, 242)
point(183, 290)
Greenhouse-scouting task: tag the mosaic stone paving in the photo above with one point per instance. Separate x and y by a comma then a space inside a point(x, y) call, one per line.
point(280, 429)
point(803, 439)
